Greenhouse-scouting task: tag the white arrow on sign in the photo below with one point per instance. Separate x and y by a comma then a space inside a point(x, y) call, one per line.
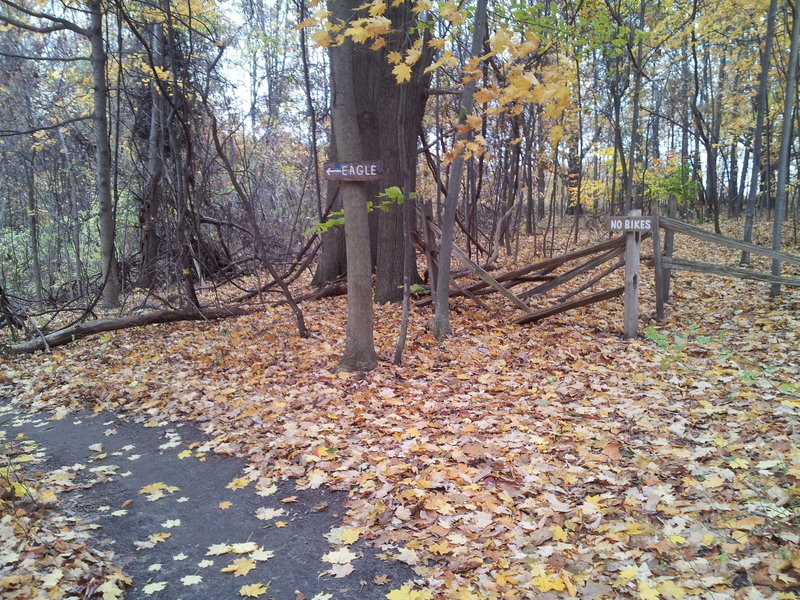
point(330, 170)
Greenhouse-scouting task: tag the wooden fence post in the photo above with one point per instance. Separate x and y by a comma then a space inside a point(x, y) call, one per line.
point(658, 266)
point(630, 322)
point(669, 246)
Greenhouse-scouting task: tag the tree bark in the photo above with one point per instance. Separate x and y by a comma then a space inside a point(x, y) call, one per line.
point(379, 108)
point(151, 193)
point(103, 156)
point(783, 157)
point(359, 354)
point(441, 327)
point(761, 110)
point(82, 330)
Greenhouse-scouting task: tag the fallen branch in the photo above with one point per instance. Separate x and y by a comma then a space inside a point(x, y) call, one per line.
point(82, 330)
point(554, 310)
point(337, 288)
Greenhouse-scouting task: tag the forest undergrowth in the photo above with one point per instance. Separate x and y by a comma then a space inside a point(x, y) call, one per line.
point(549, 461)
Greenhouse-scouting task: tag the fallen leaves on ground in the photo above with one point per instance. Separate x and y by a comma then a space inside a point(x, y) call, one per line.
point(506, 461)
point(253, 590)
point(41, 550)
point(240, 566)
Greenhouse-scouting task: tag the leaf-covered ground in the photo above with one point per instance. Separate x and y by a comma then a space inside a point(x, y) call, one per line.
point(546, 461)
point(45, 553)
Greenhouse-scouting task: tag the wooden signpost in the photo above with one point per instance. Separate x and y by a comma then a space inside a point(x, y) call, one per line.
point(365, 170)
point(633, 225)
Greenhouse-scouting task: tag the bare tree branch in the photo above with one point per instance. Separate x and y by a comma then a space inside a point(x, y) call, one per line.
point(58, 24)
point(50, 58)
point(13, 132)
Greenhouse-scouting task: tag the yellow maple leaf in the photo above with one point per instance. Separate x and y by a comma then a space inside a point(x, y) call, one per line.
point(402, 72)
point(110, 589)
point(440, 547)
point(254, 590)
point(740, 537)
point(378, 7)
point(474, 121)
point(321, 39)
point(739, 463)
point(559, 535)
point(406, 592)
point(420, 6)
point(46, 496)
point(412, 55)
point(238, 483)
point(670, 589)
point(225, 505)
point(156, 586)
point(747, 523)
point(218, 549)
point(357, 33)
point(648, 593)
point(158, 537)
point(349, 535)
point(240, 566)
point(377, 26)
point(394, 58)
point(545, 583)
point(158, 486)
point(310, 22)
point(486, 94)
point(440, 504)
point(243, 547)
point(500, 40)
point(556, 133)
point(340, 557)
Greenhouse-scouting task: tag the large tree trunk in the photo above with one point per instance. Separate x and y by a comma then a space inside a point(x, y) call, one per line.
point(103, 156)
point(359, 354)
point(395, 110)
point(378, 109)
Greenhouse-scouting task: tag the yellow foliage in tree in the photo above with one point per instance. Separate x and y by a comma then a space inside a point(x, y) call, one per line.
point(402, 72)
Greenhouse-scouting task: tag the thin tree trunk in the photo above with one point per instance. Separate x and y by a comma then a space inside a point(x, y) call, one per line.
point(80, 271)
point(359, 354)
point(441, 326)
point(783, 157)
point(633, 151)
point(261, 249)
point(312, 114)
point(33, 219)
point(151, 194)
point(103, 157)
point(761, 109)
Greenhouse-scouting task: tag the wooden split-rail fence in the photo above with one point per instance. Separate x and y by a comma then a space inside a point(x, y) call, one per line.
point(621, 251)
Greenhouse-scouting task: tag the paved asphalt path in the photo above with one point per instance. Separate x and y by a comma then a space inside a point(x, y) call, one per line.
point(144, 456)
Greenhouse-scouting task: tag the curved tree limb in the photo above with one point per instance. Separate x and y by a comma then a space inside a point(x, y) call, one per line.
point(81, 330)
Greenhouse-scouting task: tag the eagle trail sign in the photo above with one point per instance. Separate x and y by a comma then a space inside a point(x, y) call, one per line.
point(353, 171)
